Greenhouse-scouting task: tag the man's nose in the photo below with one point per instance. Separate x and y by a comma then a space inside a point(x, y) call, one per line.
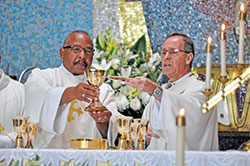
point(81, 54)
point(167, 55)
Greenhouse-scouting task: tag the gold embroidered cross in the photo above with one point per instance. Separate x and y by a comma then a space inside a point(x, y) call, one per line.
point(73, 109)
point(1, 128)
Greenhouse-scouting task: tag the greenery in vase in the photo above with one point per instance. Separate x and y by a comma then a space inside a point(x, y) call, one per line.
point(120, 60)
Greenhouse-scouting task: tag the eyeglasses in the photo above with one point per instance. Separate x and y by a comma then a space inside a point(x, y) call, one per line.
point(173, 52)
point(78, 49)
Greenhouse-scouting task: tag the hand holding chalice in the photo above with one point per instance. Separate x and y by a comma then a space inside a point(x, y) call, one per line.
point(95, 77)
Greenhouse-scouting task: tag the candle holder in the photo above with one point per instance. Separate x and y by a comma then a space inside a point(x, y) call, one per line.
point(20, 124)
point(142, 132)
point(123, 125)
point(207, 93)
point(223, 80)
point(30, 134)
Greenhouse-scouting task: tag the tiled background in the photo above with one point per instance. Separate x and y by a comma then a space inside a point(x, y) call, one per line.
point(32, 31)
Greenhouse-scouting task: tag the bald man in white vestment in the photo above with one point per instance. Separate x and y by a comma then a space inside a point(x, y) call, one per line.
point(56, 98)
point(11, 104)
point(183, 90)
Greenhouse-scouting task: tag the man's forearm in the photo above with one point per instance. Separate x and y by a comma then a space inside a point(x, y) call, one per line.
point(103, 128)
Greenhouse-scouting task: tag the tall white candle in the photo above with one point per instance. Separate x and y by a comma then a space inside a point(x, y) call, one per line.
point(208, 62)
point(242, 34)
point(180, 144)
point(223, 50)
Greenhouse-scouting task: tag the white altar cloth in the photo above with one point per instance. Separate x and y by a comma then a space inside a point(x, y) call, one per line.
point(126, 157)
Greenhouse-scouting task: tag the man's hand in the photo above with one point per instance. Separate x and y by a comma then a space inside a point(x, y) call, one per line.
point(82, 92)
point(142, 84)
point(102, 120)
point(150, 134)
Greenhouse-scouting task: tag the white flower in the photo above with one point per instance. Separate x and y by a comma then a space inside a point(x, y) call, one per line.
point(116, 84)
point(135, 104)
point(103, 66)
point(145, 97)
point(126, 72)
point(125, 89)
point(115, 63)
point(154, 60)
point(122, 102)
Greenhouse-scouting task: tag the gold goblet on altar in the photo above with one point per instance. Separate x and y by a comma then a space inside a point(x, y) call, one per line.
point(19, 124)
point(95, 77)
point(143, 127)
point(123, 127)
point(30, 134)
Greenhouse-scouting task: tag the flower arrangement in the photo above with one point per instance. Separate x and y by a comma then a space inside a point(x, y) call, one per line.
point(120, 60)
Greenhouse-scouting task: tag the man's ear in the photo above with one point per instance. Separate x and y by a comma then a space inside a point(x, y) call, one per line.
point(61, 52)
point(189, 58)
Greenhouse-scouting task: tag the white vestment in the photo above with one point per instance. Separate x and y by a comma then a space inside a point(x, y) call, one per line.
point(11, 104)
point(44, 89)
point(201, 129)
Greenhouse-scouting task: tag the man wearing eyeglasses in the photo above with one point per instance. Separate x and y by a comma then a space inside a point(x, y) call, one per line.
point(183, 90)
point(57, 97)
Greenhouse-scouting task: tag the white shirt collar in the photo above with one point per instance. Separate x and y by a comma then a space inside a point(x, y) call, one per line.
point(183, 77)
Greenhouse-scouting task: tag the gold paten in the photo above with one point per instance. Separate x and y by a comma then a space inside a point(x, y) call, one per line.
point(237, 75)
point(88, 143)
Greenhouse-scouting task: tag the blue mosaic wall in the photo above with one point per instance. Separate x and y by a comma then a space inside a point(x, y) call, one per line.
point(198, 19)
point(32, 31)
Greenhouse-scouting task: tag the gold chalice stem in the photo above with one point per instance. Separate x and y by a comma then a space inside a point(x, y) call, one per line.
point(19, 141)
point(140, 143)
point(130, 145)
point(122, 145)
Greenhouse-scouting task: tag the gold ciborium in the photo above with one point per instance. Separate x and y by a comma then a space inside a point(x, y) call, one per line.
point(123, 125)
point(95, 77)
point(143, 127)
point(30, 134)
point(19, 124)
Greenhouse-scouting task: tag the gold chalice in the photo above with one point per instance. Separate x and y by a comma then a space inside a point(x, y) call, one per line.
point(133, 134)
point(95, 77)
point(30, 134)
point(142, 132)
point(123, 125)
point(19, 124)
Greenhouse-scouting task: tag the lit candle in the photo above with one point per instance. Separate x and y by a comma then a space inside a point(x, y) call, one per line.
point(180, 144)
point(223, 50)
point(242, 33)
point(208, 64)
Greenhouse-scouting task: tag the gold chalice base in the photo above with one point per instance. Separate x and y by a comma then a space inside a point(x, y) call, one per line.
point(88, 143)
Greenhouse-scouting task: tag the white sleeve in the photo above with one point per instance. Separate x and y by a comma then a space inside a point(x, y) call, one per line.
point(50, 120)
point(7, 140)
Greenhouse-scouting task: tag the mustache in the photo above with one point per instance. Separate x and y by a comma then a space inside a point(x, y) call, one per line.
point(83, 61)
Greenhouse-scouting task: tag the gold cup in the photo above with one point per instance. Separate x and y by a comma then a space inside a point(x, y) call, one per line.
point(30, 134)
point(133, 134)
point(143, 127)
point(19, 124)
point(123, 126)
point(95, 77)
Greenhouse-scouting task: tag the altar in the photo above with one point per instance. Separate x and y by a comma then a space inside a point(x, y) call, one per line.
point(120, 157)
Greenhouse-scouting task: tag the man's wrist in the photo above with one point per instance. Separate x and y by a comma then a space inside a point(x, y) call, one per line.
point(157, 91)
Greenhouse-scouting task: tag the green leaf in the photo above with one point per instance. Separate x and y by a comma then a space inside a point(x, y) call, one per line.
point(139, 46)
point(100, 42)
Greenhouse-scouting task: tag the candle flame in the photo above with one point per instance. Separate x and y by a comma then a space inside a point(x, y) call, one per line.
point(182, 112)
point(242, 7)
point(209, 40)
point(223, 27)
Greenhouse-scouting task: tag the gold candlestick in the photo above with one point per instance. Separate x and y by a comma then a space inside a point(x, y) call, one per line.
point(207, 93)
point(223, 80)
